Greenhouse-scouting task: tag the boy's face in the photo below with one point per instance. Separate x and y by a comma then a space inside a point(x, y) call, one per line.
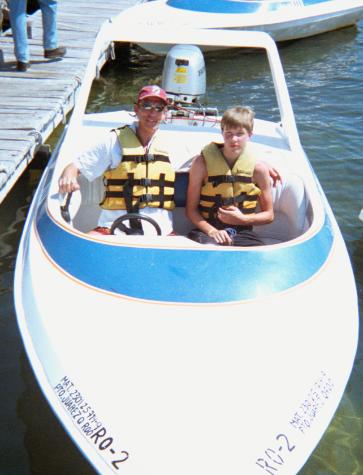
point(235, 139)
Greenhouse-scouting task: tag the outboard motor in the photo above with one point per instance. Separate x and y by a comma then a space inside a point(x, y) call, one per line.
point(184, 75)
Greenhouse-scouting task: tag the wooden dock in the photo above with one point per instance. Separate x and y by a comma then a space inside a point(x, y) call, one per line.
point(35, 102)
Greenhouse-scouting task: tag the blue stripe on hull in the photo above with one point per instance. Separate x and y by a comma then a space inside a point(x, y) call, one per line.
point(183, 275)
point(230, 6)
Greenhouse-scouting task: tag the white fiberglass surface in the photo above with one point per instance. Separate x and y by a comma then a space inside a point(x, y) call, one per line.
point(168, 378)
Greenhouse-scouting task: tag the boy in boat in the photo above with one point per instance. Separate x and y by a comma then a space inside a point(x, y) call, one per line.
point(226, 183)
point(136, 167)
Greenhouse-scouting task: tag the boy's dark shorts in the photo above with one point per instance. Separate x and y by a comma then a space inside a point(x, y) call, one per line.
point(243, 238)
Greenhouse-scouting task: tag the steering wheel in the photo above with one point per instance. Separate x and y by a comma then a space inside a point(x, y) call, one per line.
point(119, 224)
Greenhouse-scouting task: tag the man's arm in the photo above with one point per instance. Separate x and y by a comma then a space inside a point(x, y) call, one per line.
point(274, 174)
point(102, 155)
point(68, 181)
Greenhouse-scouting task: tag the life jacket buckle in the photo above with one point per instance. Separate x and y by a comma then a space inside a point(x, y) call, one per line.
point(145, 181)
point(149, 157)
point(139, 158)
point(228, 201)
point(146, 198)
point(218, 180)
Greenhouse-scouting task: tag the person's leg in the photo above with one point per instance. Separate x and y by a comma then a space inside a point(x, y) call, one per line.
point(199, 236)
point(246, 239)
point(50, 32)
point(18, 17)
point(49, 16)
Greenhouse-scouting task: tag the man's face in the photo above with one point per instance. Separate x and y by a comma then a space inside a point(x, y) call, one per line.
point(150, 112)
point(235, 139)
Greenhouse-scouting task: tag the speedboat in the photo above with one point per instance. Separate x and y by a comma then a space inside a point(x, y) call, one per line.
point(161, 355)
point(361, 214)
point(284, 20)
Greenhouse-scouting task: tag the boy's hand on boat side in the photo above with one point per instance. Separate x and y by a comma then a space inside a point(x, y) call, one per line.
point(68, 181)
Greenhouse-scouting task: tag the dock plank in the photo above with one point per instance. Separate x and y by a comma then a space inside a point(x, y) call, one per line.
point(34, 103)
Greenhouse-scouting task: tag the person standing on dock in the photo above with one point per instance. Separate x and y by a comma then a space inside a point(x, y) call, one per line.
point(18, 22)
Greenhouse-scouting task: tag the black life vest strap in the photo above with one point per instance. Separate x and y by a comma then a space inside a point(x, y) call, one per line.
point(162, 189)
point(141, 182)
point(147, 157)
point(130, 207)
point(145, 198)
point(150, 198)
point(219, 201)
point(218, 179)
point(207, 209)
point(127, 193)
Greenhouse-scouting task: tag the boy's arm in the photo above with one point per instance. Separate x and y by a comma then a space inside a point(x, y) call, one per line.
point(261, 176)
point(196, 177)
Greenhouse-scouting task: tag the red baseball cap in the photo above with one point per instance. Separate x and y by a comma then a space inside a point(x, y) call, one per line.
point(152, 91)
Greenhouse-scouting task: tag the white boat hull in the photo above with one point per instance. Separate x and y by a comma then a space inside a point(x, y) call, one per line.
point(163, 356)
point(145, 384)
point(285, 24)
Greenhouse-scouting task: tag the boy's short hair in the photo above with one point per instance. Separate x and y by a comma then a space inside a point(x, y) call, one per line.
point(239, 116)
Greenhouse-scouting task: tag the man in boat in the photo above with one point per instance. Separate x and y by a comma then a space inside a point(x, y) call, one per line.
point(135, 163)
point(226, 183)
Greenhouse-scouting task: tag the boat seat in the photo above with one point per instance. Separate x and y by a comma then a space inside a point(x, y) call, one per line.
point(291, 211)
point(289, 201)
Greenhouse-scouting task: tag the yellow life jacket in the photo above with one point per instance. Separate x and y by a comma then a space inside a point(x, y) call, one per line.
point(141, 179)
point(228, 186)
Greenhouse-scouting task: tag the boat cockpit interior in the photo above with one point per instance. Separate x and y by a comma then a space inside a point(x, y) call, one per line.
point(293, 215)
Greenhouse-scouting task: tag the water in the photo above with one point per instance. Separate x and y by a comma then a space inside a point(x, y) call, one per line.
point(324, 76)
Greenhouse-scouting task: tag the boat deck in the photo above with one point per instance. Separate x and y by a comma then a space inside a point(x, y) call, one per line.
point(34, 103)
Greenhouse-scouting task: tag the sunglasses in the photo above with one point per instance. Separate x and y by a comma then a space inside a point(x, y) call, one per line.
point(147, 106)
